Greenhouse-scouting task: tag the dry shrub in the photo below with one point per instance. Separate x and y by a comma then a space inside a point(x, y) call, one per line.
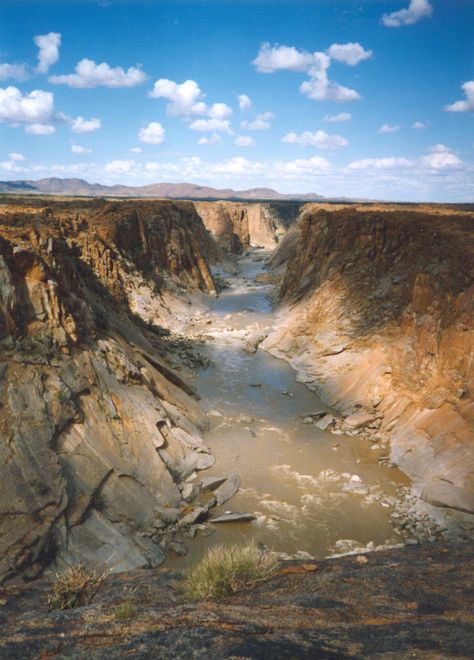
point(75, 587)
point(225, 570)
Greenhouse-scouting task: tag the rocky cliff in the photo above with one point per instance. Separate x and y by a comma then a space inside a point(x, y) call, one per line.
point(377, 315)
point(238, 225)
point(97, 432)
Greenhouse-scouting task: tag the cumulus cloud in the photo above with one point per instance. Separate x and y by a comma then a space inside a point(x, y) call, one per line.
point(136, 150)
point(319, 139)
point(40, 129)
point(219, 111)
point(154, 133)
point(37, 106)
point(419, 124)
point(16, 156)
point(468, 104)
point(334, 119)
point(119, 166)
point(244, 101)
point(184, 98)
point(12, 166)
point(262, 122)
point(77, 149)
point(244, 141)
point(275, 58)
point(89, 74)
point(208, 125)
point(212, 139)
point(417, 9)
point(350, 53)
point(319, 87)
point(386, 128)
point(81, 125)
point(13, 71)
point(48, 54)
point(441, 157)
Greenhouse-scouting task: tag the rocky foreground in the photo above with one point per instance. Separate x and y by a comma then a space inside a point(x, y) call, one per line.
point(414, 603)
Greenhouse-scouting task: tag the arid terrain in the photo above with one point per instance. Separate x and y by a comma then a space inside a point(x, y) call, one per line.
point(302, 371)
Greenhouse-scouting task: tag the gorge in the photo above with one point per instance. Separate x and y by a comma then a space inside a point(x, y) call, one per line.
point(306, 365)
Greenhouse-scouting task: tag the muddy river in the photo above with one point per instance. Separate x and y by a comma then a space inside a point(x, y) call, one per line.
point(297, 479)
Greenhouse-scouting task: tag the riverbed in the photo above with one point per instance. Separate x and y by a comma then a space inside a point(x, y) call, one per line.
point(311, 491)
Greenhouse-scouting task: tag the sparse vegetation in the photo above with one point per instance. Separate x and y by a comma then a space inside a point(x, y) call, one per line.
point(227, 569)
point(124, 611)
point(75, 587)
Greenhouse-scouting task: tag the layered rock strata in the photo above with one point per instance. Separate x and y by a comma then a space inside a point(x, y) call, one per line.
point(97, 432)
point(378, 316)
point(238, 225)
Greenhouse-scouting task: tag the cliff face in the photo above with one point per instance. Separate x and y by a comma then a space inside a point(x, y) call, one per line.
point(96, 431)
point(378, 316)
point(236, 226)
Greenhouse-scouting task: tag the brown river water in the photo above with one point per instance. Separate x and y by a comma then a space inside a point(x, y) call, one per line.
point(292, 473)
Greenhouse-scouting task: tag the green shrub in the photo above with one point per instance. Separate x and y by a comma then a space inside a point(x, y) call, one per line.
point(125, 610)
point(227, 569)
point(75, 587)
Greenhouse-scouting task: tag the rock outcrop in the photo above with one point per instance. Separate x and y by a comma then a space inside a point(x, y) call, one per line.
point(378, 317)
point(238, 225)
point(96, 430)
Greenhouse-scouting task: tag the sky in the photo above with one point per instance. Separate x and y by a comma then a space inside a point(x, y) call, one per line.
point(369, 99)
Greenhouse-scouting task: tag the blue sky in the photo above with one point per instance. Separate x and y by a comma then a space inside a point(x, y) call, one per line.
point(369, 99)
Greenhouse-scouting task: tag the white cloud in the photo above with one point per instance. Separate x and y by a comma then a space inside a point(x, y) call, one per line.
point(16, 156)
point(213, 139)
point(37, 106)
point(320, 88)
point(386, 128)
point(81, 125)
point(319, 139)
point(40, 129)
point(244, 101)
point(119, 166)
point(468, 104)
point(203, 125)
point(14, 71)
point(271, 59)
point(441, 157)
point(48, 45)
point(12, 166)
point(89, 74)
point(334, 119)
point(136, 150)
point(244, 141)
point(262, 122)
point(417, 10)
point(184, 98)
point(419, 125)
point(77, 149)
point(154, 133)
point(350, 53)
point(380, 163)
point(219, 111)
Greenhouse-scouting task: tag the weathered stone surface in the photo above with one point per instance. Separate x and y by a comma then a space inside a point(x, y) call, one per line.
point(233, 517)
point(228, 489)
point(87, 399)
point(398, 604)
point(377, 313)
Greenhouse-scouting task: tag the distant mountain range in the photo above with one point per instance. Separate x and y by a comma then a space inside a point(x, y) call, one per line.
point(56, 186)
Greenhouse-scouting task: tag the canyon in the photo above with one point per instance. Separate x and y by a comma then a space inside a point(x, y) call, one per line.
point(148, 355)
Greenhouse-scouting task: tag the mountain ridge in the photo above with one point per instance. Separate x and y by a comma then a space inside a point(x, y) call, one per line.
point(77, 186)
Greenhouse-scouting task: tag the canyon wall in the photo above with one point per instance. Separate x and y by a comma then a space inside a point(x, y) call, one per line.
point(377, 315)
point(97, 432)
point(238, 225)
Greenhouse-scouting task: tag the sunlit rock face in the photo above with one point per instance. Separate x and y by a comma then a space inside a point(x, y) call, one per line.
point(238, 225)
point(378, 314)
point(96, 430)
